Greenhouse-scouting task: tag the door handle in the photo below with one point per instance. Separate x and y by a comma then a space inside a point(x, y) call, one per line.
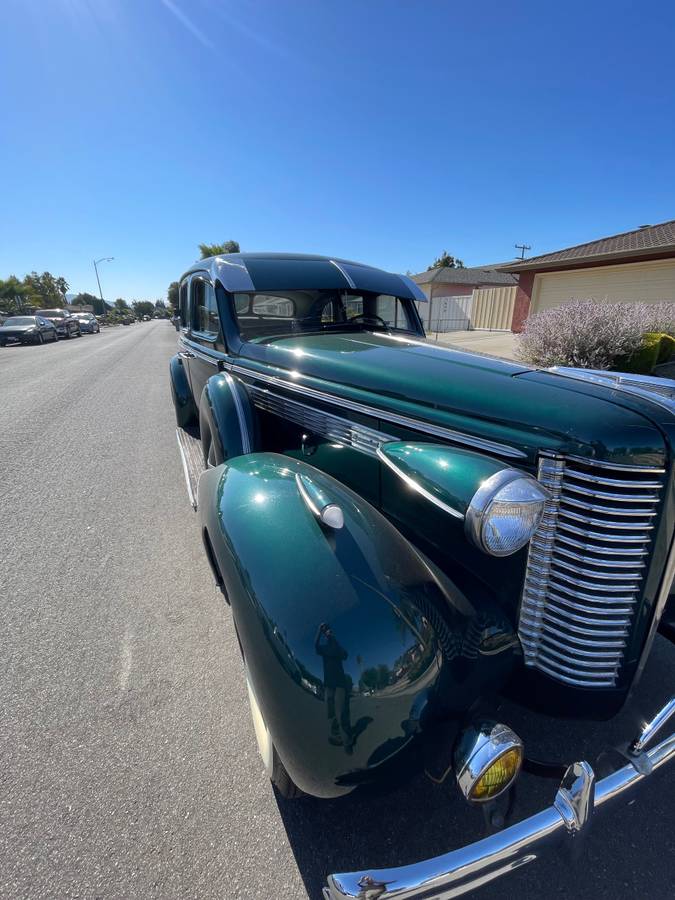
point(186, 354)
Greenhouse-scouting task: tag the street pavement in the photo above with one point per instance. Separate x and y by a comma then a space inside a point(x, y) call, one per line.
point(128, 763)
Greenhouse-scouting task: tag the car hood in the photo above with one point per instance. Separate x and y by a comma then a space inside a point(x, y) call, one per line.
point(477, 395)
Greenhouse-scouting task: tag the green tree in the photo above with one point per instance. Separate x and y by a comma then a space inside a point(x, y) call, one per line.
point(217, 249)
point(85, 299)
point(143, 308)
point(172, 295)
point(161, 310)
point(13, 294)
point(445, 261)
point(121, 305)
point(46, 290)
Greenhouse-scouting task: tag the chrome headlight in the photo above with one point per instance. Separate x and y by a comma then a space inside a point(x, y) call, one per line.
point(504, 512)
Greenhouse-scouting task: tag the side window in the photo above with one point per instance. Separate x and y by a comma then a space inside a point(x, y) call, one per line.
point(204, 308)
point(183, 306)
point(393, 311)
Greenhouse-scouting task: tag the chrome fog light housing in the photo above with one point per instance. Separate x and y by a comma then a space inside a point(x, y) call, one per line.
point(488, 759)
point(504, 512)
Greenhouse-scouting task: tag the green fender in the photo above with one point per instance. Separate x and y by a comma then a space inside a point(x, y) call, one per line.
point(353, 642)
point(183, 401)
point(228, 422)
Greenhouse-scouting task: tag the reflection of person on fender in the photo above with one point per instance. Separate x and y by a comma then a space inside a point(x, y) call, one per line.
point(337, 686)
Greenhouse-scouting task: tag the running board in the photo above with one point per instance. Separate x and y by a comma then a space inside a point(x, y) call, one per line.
point(193, 461)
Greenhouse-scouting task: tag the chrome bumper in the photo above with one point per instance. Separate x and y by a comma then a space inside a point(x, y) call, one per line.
point(470, 867)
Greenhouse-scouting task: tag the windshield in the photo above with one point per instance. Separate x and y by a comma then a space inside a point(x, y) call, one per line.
point(272, 314)
point(52, 313)
point(20, 320)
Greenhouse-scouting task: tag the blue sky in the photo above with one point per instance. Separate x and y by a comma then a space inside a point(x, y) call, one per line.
point(379, 131)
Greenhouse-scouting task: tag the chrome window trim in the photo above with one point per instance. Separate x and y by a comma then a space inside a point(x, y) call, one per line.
point(451, 511)
point(374, 412)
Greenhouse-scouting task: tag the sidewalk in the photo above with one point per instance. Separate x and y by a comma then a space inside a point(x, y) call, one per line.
point(494, 343)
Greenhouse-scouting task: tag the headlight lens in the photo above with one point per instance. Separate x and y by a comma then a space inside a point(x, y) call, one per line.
point(499, 775)
point(504, 512)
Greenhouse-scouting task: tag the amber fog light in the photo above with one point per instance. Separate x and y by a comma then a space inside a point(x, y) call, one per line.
point(488, 758)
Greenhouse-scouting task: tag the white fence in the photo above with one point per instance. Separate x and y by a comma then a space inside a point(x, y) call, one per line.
point(486, 308)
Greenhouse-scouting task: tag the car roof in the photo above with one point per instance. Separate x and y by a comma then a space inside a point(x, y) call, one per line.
point(301, 271)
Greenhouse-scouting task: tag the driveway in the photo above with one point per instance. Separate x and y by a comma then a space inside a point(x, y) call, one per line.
point(128, 762)
point(494, 343)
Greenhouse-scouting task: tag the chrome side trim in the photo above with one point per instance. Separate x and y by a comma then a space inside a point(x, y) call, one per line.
point(660, 391)
point(577, 801)
point(450, 510)
point(193, 348)
point(326, 425)
point(239, 409)
point(449, 434)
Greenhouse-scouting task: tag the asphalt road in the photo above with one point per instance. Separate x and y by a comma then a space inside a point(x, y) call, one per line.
point(128, 764)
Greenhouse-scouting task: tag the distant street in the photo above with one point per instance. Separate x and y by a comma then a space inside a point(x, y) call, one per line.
point(128, 763)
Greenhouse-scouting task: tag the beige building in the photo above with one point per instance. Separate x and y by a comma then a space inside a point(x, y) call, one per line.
point(630, 267)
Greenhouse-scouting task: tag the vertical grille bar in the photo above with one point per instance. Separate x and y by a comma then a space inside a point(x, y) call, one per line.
point(586, 567)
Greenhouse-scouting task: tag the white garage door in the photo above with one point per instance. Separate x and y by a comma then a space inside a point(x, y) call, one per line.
point(648, 281)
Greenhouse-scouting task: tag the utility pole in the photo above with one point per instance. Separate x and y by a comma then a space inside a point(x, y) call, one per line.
point(522, 248)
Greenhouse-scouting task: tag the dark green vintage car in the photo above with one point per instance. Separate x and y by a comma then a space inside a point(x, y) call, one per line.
point(407, 534)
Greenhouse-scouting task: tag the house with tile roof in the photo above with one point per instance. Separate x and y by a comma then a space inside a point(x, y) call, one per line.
point(636, 265)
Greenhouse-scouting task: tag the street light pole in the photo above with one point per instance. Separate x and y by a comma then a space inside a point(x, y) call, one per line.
point(96, 261)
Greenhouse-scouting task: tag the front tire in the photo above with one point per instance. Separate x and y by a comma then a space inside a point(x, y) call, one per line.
point(274, 767)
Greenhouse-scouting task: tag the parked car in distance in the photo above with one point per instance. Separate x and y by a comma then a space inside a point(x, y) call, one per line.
point(146, 318)
point(425, 550)
point(65, 323)
point(27, 330)
point(88, 322)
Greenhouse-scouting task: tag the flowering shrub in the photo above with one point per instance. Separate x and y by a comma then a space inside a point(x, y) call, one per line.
point(591, 335)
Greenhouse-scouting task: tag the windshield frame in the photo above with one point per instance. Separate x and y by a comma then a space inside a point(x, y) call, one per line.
point(311, 322)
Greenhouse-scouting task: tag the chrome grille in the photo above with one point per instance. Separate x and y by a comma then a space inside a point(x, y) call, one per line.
point(585, 567)
point(326, 425)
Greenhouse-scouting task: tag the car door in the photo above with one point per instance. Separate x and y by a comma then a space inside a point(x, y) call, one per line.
point(204, 338)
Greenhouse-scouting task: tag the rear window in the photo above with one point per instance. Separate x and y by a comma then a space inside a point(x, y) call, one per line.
point(52, 313)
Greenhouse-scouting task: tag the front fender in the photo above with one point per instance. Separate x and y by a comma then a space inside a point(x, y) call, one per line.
point(228, 422)
point(352, 641)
